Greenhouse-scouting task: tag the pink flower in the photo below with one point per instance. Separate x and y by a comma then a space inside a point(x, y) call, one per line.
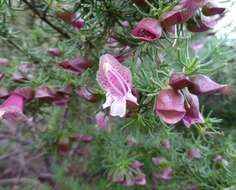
point(181, 12)
point(148, 29)
point(170, 106)
point(44, 93)
point(194, 153)
point(166, 173)
point(12, 109)
point(77, 65)
point(4, 61)
point(86, 93)
point(211, 9)
point(101, 120)
point(202, 24)
point(193, 114)
point(4, 93)
point(24, 72)
point(116, 80)
point(179, 80)
point(136, 164)
point(203, 85)
point(54, 52)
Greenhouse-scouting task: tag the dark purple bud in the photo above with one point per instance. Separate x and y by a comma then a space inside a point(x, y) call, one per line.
point(179, 80)
point(166, 173)
point(140, 180)
point(170, 106)
point(54, 52)
point(148, 29)
point(194, 154)
point(77, 65)
point(203, 85)
point(60, 99)
point(63, 145)
point(78, 23)
point(159, 161)
point(200, 25)
point(85, 93)
point(193, 114)
point(4, 93)
point(211, 9)
point(26, 92)
point(4, 61)
point(136, 164)
point(44, 93)
point(141, 3)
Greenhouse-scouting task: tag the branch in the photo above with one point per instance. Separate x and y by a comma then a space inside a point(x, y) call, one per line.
point(43, 18)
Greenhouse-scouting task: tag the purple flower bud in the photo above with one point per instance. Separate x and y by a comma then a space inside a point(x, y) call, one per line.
point(66, 90)
point(166, 173)
point(54, 52)
point(179, 80)
point(200, 25)
point(194, 153)
point(136, 164)
point(4, 61)
point(181, 12)
point(77, 65)
point(141, 3)
point(26, 92)
point(148, 29)
point(60, 99)
point(170, 106)
point(211, 9)
point(140, 180)
point(11, 109)
point(159, 161)
point(101, 120)
point(44, 93)
point(203, 85)
point(193, 114)
point(85, 138)
point(85, 93)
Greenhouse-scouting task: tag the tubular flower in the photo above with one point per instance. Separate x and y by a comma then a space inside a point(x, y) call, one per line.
point(211, 9)
point(148, 29)
point(12, 109)
point(193, 114)
point(203, 85)
point(116, 80)
point(202, 24)
point(170, 106)
point(179, 80)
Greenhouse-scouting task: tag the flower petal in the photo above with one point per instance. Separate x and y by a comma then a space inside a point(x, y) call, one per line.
point(118, 108)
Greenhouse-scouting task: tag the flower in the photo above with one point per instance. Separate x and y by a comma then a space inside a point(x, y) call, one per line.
point(179, 80)
point(170, 106)
point(203, 85)
point(77, 65)
point(194, 153)
point(148, 29)
point(86, 93)
point(201, 24)
point(116, 80)
point(72, 19)
point(54, 52)
point(181, 12)
point(24, 72)
point(4, 61)
point(101, 120)
point(136, 164)
point(44, 93)
point(12, 109)
point(193, 114)
point(211, 9)
point(166, 173)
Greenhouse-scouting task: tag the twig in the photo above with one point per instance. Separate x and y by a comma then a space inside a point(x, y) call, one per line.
point(43, 18)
